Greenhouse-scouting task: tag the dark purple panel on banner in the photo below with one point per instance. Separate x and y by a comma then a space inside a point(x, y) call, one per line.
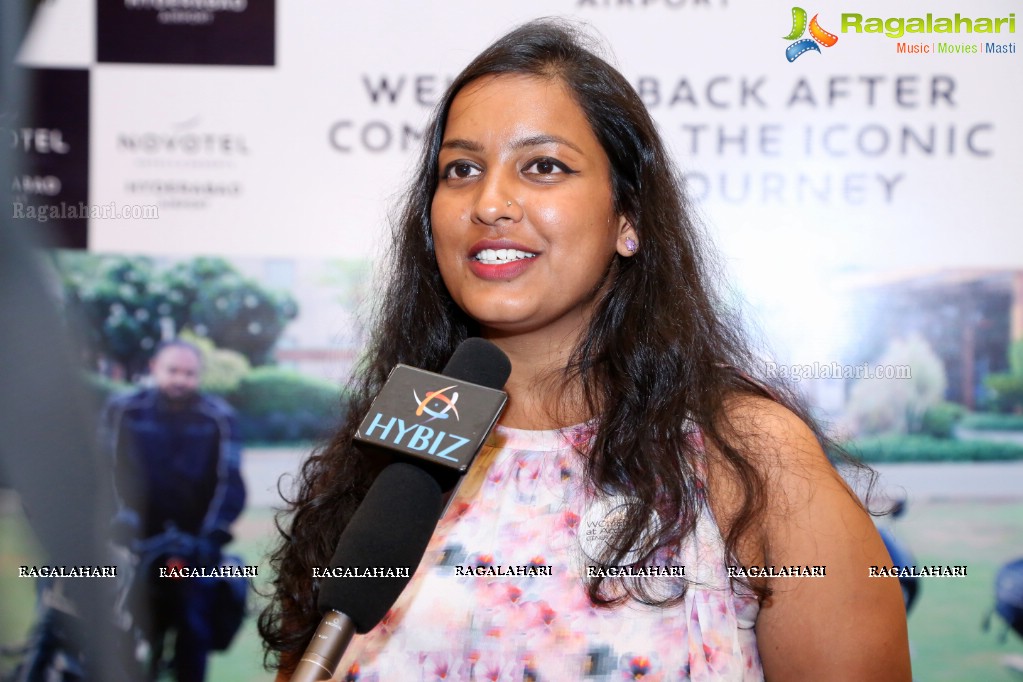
point(50, 138)
point(237, 32)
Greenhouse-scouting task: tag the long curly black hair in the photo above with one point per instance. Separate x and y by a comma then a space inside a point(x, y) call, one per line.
point(662, 352)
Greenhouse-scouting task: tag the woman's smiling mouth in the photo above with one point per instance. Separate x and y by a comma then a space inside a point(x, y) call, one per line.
point(502, 256)
point(499, 259)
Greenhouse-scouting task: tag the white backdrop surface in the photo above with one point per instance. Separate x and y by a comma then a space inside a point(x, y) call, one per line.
point(811, 165)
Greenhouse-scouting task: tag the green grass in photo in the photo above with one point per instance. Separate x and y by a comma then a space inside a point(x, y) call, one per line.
point(946, 638)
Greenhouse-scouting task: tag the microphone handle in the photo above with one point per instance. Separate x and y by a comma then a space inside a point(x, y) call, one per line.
point(325, 649)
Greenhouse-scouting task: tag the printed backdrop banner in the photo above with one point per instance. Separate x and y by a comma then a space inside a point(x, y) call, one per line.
point(857, 155)
point(820, 144)
point(856, 162)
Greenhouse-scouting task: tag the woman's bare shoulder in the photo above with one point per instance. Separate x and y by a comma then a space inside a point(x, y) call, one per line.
point(811, 627)
point(784, 457)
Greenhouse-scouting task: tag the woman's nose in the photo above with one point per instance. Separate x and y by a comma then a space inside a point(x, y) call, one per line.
point(495, 201)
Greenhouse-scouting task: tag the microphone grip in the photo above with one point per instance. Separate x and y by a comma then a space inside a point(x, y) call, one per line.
point(319, 662)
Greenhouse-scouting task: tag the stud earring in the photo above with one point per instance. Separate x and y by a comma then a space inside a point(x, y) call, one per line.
point(631, 245)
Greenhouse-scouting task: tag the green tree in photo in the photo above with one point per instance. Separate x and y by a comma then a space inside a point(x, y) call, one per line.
point(129, 305)
point(1007, 387)
point(897, 406)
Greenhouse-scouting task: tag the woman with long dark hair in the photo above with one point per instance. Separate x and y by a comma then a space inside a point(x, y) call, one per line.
point(640, 468)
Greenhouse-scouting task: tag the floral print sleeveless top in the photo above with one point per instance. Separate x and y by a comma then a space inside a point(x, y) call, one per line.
point(500, 594)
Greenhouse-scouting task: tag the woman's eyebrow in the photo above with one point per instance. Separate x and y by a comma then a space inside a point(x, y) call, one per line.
point(542, 139)
point(465, 145)
point(520, 143)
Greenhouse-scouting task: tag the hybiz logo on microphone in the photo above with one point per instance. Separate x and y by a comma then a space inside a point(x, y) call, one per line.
point(447, 405)
point(431, 417)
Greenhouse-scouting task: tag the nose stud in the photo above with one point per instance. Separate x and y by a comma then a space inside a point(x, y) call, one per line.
point(509, 203)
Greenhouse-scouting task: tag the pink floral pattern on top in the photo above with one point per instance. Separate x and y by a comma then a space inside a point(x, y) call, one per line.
point(523, 503)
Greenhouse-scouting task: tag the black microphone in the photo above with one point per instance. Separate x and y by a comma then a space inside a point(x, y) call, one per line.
point(385, 540)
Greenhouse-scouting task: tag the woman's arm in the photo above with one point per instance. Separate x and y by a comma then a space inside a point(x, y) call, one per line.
point(845, 625)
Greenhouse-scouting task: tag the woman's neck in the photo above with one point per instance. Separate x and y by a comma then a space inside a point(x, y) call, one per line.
point(538, 397)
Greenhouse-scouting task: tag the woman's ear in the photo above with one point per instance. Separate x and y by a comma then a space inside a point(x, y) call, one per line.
point(628, 242)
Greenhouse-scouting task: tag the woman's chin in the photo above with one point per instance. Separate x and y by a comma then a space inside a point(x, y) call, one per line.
point(497, 328)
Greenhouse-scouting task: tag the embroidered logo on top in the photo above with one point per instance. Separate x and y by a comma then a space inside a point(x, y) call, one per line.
point(602, 524)
point(818, 36)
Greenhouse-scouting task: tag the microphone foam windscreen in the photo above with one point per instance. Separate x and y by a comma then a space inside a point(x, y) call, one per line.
point(479, 362)
point(389, 530)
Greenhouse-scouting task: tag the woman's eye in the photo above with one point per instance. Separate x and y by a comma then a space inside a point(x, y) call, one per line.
point(546, 166)
point(460, 170)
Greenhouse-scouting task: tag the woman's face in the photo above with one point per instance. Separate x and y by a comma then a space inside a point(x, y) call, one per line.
point(523, 219)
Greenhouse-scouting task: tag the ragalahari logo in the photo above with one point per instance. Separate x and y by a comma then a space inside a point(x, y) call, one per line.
point(443, 402)
point(817, 35)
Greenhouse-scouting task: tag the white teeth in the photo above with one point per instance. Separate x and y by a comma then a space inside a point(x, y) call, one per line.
point(500, 256)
